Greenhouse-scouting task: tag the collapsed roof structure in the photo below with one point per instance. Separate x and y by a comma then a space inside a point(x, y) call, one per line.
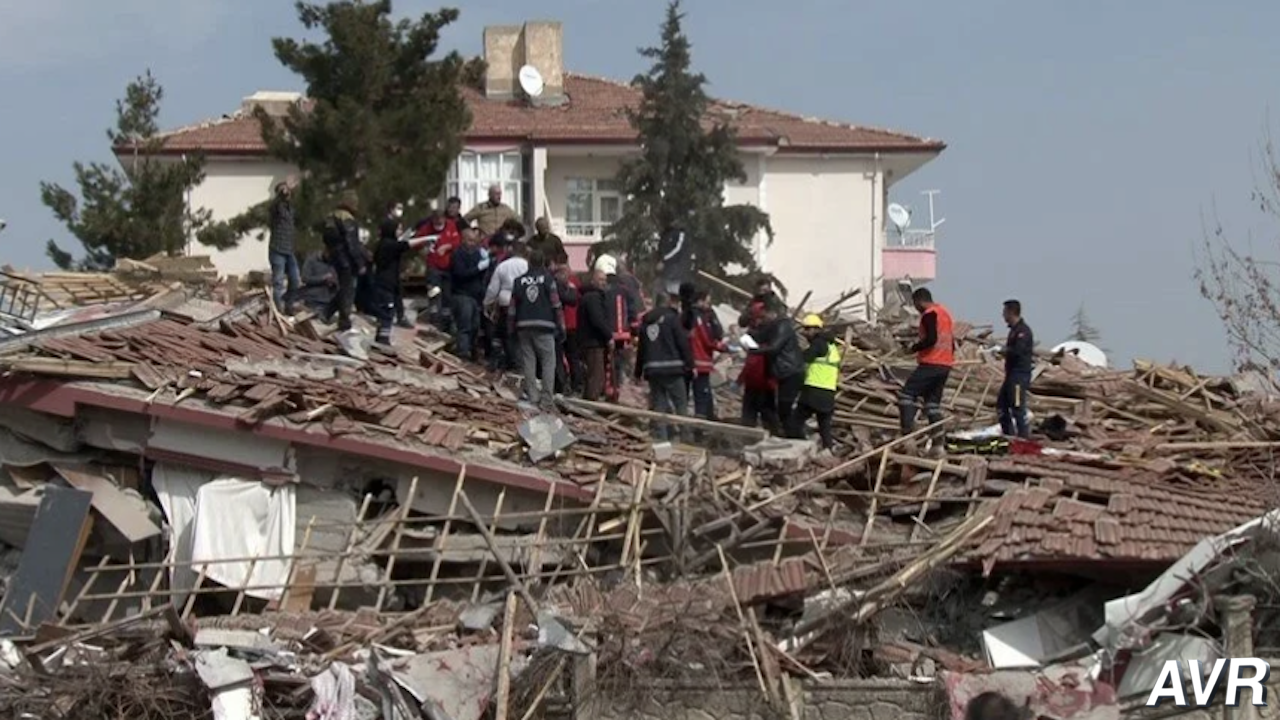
point(286, 505)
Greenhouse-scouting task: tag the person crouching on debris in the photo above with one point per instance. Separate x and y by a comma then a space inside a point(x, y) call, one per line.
point(993, 706)
point(388, 260)
point(341, 237)
point(467, 269)
point(706, 338)
point(821, 378)
point(1018, 351)
point(595, 334)
point(319, 285)
point(535, 318)
point(935, 355)
point(665, 360)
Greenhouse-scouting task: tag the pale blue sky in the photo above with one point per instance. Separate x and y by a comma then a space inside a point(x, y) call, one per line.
point(1085, 137)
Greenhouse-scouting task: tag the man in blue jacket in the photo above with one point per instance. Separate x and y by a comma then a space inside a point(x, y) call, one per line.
point(1019, 357)
point(467, 272)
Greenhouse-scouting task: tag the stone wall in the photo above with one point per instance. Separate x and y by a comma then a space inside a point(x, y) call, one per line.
point(842, 700)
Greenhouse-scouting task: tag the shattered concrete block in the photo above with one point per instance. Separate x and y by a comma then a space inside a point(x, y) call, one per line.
point(663, 451)
point(780, 454)
point(546, 435)
point(355, 344)
point(247, 640)
point(479, 617)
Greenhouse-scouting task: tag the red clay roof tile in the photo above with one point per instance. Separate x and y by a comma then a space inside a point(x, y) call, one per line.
point(596, 112)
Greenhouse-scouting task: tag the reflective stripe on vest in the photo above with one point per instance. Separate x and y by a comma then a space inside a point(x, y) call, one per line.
point(824, 373)
point(620, 332)
point(943, 351)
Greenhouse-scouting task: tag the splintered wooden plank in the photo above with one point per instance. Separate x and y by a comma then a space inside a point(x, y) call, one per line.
point(57, 538)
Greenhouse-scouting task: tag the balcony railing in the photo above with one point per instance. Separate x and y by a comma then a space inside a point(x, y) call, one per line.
point(596, 230)
point(910, 240)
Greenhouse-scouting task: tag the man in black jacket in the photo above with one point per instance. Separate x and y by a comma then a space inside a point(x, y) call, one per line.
point(285, 280)
point(595, 335)
point(666, 361)
point(675, 262)
point(1018, 359)
point(341, 237)
point(388, 259)
point(535, 318)
point(467, 274)
point(786, 362)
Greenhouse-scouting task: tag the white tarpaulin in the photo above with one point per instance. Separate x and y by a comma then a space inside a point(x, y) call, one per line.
point(221, 518)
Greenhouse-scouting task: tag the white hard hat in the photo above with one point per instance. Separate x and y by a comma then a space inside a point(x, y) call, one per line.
point(607, 264)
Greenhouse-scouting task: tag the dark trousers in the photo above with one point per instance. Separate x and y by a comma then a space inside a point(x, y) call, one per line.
point(384, 301)
point(667, 395)
point(760, 409)
point(820, 403)
point(704, 401)
point(788, 393)
point(570, 365)
point(442, 305)
point(1011, 403)
point(622, 358)
point(925, 383)
point(466, 324)
point(364, 294)
point(345, 298)
point(594, 375)
point(502, 348)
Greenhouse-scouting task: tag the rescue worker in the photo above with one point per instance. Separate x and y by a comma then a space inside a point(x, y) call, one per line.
point(780, 344)
point(665, 360)
point(595, 335)
point(388, 259)
point(439, 261)
point(992, 706)
point(549, 243)
point(821, 378)
point(341, 237)
point(569, 358)
point(706, 338)
point(286, 281)
point(624, 307)
point(759, 388)
point(675, 264)
point(319, 285)
point(935, 355)
point(497, 302)
point(535, 319)
point(1018, 354)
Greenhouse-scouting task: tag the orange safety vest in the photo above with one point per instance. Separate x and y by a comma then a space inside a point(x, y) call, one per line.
point(943, 351)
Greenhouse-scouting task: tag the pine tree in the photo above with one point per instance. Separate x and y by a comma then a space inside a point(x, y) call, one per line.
point(135, 212)
point(681, 171)
point(382, 116)
point(1081, 329)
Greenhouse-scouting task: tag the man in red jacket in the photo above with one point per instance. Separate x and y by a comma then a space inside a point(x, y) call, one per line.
point(706, 339)
point(569, 360)
point(448, 238)
point(759, 387)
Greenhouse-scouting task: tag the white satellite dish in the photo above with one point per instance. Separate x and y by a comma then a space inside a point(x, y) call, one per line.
point(1088, 352)
point(899, 216)
point(531, 81)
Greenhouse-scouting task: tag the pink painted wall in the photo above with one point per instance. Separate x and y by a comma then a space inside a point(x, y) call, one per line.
point(914, 263)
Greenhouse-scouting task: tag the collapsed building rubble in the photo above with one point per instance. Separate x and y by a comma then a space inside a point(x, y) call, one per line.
point(212, 506)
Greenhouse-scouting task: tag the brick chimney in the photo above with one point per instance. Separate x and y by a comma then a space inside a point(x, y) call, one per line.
point(276, 104)
point(507, 48)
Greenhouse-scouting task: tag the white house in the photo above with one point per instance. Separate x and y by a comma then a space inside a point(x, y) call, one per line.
point(823, 183)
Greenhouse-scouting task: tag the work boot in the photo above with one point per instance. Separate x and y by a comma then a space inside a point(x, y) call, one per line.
point(406, 323)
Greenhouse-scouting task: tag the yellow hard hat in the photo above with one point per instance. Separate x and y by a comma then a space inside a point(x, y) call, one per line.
point(811, 321)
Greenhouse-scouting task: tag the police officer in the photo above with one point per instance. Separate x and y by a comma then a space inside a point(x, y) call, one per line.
point(821, 378)
point(665, 360)
point(535, 318)
point(1018, 354)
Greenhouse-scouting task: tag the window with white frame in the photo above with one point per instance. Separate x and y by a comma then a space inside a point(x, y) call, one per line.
point(591, 206)
point(472, 173)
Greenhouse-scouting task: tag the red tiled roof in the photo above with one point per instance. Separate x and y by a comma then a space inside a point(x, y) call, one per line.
point(1068, 513)
point(595, 113)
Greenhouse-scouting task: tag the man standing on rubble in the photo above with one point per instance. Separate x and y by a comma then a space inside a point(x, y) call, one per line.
point(341, 237)
point(388, 259)
point(1018, 351)
point(535, 319)
point(492, 214)
point(319, 282)
point(285, 278)
point(935, 355)
point(595, 334)
point(821, 379)
point(497, 301)
point(467, 269)
point(666, 361)
point(781, 346)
